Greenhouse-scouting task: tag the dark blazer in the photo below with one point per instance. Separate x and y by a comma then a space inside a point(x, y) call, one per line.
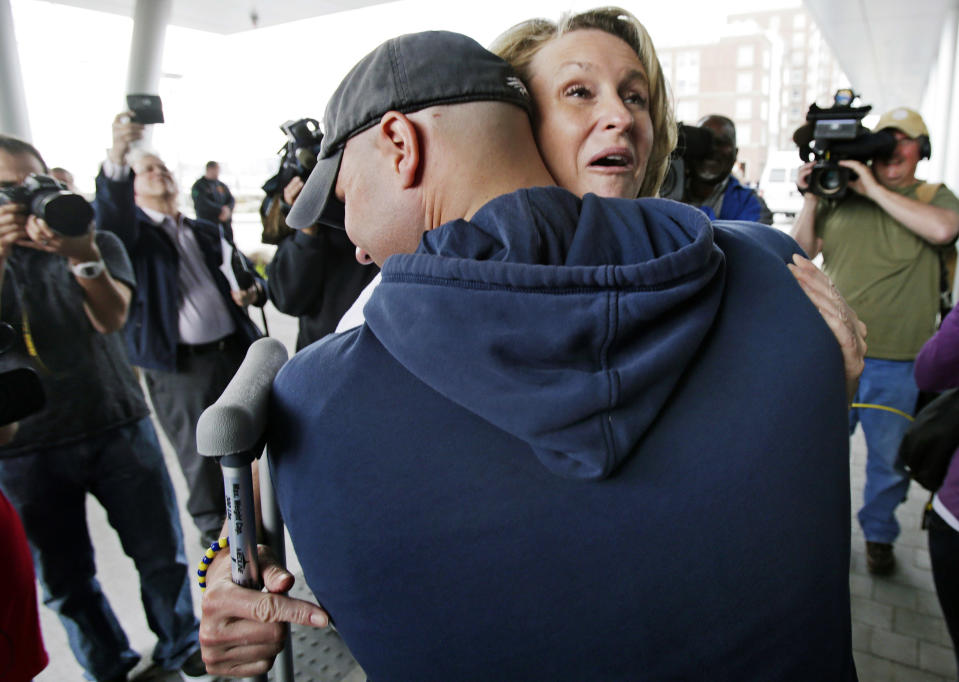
point(151, 330)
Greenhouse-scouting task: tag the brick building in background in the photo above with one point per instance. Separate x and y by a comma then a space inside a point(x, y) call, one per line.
point(763, 71)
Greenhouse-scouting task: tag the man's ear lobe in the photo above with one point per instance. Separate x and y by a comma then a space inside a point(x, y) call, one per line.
point(401, 140)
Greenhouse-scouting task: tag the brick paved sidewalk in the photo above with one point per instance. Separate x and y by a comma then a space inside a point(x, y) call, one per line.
point(897, 627)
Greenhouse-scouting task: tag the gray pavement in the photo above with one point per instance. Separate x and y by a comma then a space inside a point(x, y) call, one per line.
point(898, 631)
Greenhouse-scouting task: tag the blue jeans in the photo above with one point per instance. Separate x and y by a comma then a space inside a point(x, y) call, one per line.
point(889, 383)
point(124, 469)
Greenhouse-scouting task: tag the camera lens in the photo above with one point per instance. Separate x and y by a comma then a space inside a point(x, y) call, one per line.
point(65, 212)
point(830, 179)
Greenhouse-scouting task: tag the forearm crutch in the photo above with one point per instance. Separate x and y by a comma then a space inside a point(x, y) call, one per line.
point(233, 429)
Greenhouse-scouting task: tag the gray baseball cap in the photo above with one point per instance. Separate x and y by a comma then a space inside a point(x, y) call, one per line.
point(404, 74)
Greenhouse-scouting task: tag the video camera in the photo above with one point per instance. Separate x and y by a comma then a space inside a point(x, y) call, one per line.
point(693, 144)
point(299, 153)
point(66, 213)
point(299, 157)
point(836, 133)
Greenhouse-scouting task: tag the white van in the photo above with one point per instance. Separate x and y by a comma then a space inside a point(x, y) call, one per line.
point(777, 185)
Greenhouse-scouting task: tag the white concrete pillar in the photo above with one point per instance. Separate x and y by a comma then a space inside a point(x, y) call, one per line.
point(948, 147)
point(939, 98)
point(150, 18)
point(14, 119)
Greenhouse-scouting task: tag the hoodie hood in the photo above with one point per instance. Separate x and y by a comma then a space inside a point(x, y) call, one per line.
point(566, 323)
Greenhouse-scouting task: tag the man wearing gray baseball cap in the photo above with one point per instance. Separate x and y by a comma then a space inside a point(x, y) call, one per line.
point(403, 75)
point(547, 452)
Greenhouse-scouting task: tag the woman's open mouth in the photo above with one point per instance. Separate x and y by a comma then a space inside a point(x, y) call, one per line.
point(614, 159)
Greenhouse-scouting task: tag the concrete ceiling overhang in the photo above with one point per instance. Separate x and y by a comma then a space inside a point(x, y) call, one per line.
point(232, 16)
point(887, 48)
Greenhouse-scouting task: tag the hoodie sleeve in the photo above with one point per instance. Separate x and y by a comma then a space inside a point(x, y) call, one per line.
point(937, 365)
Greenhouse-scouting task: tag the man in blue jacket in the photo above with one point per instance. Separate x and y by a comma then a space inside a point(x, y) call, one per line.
point(710, 184)
point(563, 444)
point(187, 328)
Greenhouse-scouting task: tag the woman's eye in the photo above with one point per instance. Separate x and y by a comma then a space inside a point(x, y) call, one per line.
point(577, 91)
point(635, 98)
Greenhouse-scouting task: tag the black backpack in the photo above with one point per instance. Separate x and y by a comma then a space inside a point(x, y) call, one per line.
point(931, 440)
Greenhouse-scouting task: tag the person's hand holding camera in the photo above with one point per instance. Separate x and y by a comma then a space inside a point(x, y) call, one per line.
point(861, 181)
point(291, 192)
point(293, 189)
point(802, 178)
point(79, 249)
point(13, 220)
point(125, 133)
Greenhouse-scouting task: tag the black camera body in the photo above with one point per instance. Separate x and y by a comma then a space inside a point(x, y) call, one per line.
point(66, 213)
point(834, 134)
point(692, 144)
point(299, 157)
point(299, 153)
point(301, 150)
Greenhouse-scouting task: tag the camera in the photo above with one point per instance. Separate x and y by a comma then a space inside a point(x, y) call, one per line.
point(299, 153)
point(836, 133)
point(21, 393)
point(299, 157)
point(66, 213)
point(300, 150)
point(692, 144)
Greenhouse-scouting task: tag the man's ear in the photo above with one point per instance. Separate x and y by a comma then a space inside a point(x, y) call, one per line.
point(400, 140)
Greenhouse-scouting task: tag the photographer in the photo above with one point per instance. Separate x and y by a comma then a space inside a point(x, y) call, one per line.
point(881, 246)
point(66, 297)
point(710, 185)
point(313, 274)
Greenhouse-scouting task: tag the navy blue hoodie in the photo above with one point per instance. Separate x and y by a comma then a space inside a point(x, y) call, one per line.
point(592, 439)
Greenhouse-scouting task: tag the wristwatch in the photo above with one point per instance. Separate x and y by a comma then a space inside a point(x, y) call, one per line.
point(88, 270)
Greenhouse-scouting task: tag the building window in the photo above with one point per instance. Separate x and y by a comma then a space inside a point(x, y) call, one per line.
point(799, 20)
point(744, 134)
point(745, 55)
point(666, 62)
point(687, 73)
point(744, 108)
point(744, 81)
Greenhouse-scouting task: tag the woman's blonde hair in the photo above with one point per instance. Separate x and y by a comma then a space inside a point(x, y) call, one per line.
point(519, 44)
